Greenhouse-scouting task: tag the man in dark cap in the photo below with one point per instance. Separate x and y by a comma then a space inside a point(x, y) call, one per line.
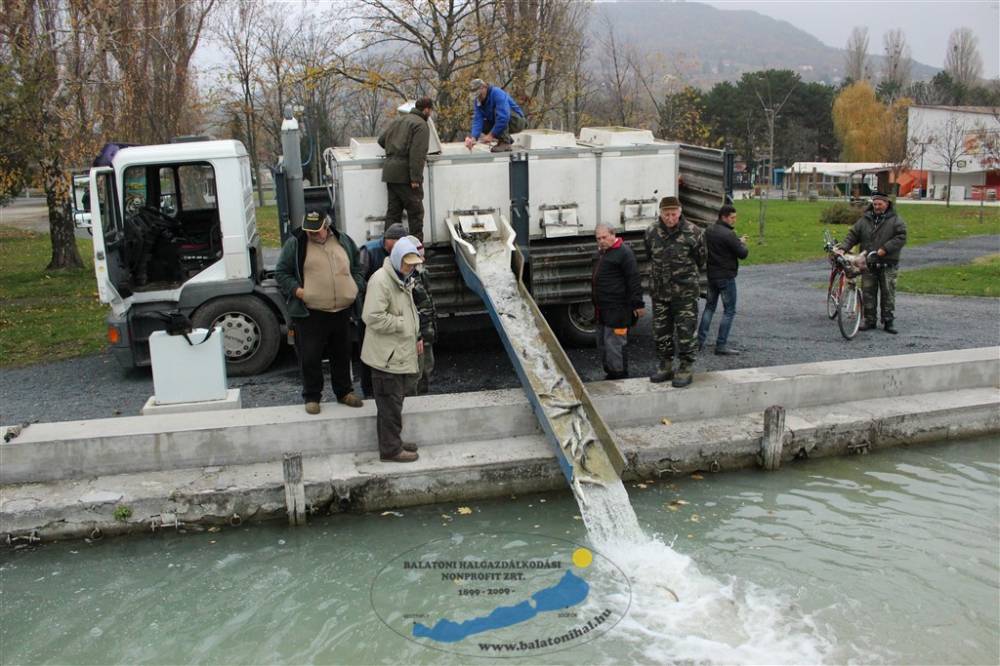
point(677, 254)
point(495, 116)
point(405, 141)
point(881, 233)
point(319, 274)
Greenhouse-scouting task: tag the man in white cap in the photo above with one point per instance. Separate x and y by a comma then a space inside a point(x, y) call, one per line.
point(392, 345)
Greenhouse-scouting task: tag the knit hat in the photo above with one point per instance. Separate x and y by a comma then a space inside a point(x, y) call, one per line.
point(394, 232)
point(880, 195)
point(670, 202)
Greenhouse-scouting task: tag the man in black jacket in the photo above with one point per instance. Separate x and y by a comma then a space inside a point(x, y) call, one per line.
point(881, 233)
point(616, 289)
point(725, 250)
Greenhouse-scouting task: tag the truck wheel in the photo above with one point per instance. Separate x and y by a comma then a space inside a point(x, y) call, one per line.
point(574, 323)
point(252, 334)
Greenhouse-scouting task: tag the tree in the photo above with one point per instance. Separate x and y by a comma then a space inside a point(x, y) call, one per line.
point(962, 60)
point(768, 97)
point(897, 66)
point(620, 80)
point(680, 117)
point(238, 33)
point(896, 148)
point(950, 144)
point(856, 64)
point(857, 117)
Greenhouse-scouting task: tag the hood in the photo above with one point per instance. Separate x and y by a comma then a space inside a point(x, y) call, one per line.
point(403, 247)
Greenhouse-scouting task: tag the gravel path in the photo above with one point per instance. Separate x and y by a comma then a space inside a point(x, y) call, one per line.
point(781, 319)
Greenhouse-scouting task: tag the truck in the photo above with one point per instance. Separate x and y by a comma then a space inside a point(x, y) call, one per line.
point(174, 225)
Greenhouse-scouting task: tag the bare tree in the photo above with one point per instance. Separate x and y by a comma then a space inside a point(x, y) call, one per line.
point(962, 61)
point(771, 109)
point(621, 83)
point(950, 144)
point(898, 64)
point(856, 64)
point(238, 33)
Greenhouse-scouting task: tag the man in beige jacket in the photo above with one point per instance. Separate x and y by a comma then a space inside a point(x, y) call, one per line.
point(392, 345)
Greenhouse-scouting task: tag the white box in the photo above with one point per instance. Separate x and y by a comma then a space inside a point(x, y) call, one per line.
point(185, 372)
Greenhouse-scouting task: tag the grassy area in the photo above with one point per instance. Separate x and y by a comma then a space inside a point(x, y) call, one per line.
point(45, 315)
point(980, 278)
point(267, 226)
point(793, 231)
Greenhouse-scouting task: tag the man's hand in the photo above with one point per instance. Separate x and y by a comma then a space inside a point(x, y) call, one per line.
point(744, 239)
point(300, 293)
point(420, 347)
point(487, 138)
point(469, 142)
point(414, 184)
point(838, 251)
point(639, 312)
point(881, 252)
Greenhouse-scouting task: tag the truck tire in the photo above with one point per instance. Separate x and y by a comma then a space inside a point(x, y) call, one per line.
point(252, 335)
point(574, 323)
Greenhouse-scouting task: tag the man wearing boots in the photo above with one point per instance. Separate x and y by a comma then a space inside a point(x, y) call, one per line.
point(405, 141)
point(676, 251)
point(881, 233)
point(495, 117)
point(616, 290)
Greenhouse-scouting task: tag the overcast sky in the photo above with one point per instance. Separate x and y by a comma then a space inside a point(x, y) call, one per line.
point(926, 24)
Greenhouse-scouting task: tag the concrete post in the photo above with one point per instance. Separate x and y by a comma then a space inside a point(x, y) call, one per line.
point(772, 439)
point(295, 491)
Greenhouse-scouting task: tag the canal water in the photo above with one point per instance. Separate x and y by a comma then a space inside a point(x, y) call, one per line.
point(886, 558)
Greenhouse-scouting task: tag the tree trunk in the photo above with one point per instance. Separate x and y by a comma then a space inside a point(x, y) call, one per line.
point(62, 232)
point(947, 196)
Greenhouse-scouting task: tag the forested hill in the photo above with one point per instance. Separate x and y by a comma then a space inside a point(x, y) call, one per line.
point(715, 45)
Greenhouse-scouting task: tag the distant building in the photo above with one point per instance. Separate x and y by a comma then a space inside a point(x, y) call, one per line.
point(967, 136)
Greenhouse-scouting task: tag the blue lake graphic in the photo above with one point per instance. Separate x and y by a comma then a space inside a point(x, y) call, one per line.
point(569, 591)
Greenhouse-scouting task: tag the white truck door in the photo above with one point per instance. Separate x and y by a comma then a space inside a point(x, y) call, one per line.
point(109, 238)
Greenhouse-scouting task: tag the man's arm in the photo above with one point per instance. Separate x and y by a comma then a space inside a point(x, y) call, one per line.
point(898, 240)
point(852, 237)
point(477, 120)
point(633, 280)
point(700, 252)
point(381, 137)
point(376, 312)
point(284, 271)
point(418, 153)
point(738, 247)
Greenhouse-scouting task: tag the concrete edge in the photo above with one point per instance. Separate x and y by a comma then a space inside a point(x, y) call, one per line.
point(198, 499)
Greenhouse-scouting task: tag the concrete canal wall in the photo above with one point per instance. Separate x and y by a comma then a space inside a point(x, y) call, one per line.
point(69, 479)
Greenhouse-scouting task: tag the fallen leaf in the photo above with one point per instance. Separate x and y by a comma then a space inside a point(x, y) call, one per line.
point(697, 477)
point(695, 518)
point(641, 485)
point(679, 502)
point(464, 510)
point(213, 528)
point(391, 513)
point(673, 507)
point(577, 518)
point(665, 421)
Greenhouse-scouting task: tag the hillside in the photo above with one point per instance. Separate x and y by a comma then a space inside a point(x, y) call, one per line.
point(719, 45)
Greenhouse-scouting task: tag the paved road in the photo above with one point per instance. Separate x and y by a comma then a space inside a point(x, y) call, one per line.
point(781, 320)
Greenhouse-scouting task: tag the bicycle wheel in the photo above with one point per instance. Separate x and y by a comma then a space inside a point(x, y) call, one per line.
point(833, 294)
point(849, 312)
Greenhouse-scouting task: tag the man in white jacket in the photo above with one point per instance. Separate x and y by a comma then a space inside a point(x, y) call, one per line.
point(392, 345)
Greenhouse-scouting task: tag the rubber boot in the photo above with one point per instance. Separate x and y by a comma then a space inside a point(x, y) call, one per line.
point(663, 374)
point(683, 377)
point(889, 328)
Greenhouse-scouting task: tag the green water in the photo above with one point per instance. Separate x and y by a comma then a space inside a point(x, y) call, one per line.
point(887, 558)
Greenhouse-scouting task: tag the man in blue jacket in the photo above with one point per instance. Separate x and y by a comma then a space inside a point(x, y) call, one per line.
point(495, 117)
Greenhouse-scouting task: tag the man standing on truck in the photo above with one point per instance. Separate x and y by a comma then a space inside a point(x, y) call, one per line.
point(320, 276)
point(392, 345)
point(676, 251)
point(495, 116)
point(881, 233)
point(405, 141)
point(616, 289)
point(725, 250)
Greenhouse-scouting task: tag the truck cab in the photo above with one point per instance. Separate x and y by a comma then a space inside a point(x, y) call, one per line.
point(174, 228)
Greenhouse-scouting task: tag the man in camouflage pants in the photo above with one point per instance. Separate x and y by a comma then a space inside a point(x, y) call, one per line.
point(676, 251)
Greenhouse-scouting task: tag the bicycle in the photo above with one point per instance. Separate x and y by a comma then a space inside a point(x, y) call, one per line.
point(844, 300)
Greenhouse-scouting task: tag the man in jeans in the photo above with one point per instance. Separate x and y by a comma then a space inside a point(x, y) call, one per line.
point(725, 250)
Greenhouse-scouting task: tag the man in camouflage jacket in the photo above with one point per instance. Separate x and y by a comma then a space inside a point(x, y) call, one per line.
point(676, 251)
point(428, 323)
